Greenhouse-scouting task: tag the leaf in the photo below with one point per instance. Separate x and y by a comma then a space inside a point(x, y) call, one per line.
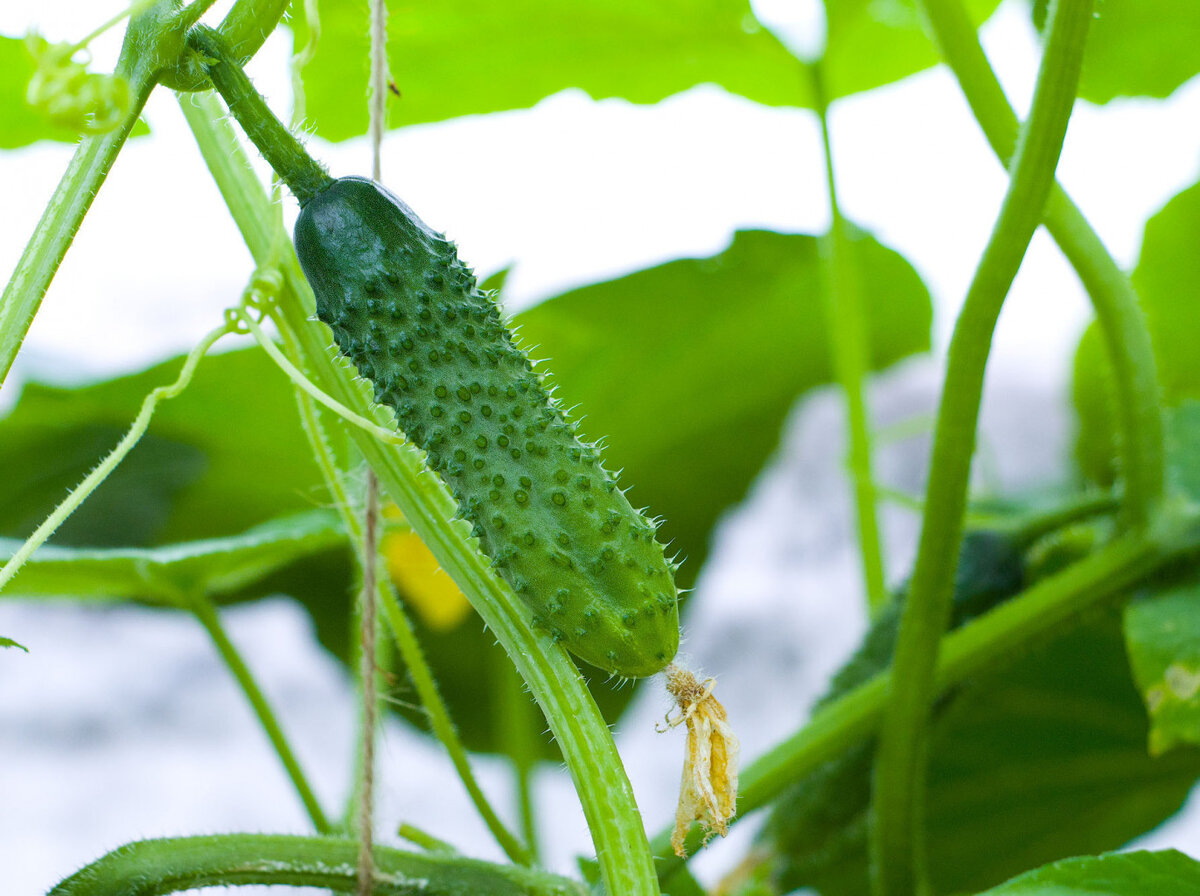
point(465, 57)
point(688, 369)
point(1167, 279)
point(226, 455)
point(162, 574)
point(1039, 760)
point(1140, 48)
point(23, 124)
point(9, 642)
point(875, 42)
point(1162, 635)
point(1166, 873)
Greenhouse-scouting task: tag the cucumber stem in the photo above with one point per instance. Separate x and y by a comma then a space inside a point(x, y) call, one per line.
point(304, 176)
point(897, 836)
point(1126, 335)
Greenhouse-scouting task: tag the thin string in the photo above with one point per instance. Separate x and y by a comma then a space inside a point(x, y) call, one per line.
point(377, 112)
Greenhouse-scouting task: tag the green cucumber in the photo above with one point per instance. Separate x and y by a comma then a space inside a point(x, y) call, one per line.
point(409, 315)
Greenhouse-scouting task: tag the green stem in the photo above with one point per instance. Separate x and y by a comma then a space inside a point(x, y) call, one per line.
point(965, 653)
point(848, 348)
point(64, 213)
point(1122, 324)
point(157, 867)
point(897, 831)
point(206, 612)
point(443, 726)
point(302, 174)
point(600, 780)
point(516, 717)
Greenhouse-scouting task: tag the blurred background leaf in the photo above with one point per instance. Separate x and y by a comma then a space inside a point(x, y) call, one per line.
point(1167, 873)
point(22, 124)
point(465, 57)
point(1040, 760)
point(227, 455)
point(1136, 47)
point(1162, 634)
point(687, 370)
point(871, 43)
point(1167, 279)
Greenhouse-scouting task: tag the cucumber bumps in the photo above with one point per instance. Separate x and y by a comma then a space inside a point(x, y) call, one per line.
point(408, 314)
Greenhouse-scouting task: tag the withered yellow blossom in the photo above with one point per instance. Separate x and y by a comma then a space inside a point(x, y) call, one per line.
point(708, 791)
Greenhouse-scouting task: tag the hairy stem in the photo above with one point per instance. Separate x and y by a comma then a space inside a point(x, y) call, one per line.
point(1122, 325)
point(302, 174)
point(849, 349)
point(897, 831)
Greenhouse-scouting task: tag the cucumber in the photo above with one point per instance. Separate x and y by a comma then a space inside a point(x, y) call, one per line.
point(553, 522)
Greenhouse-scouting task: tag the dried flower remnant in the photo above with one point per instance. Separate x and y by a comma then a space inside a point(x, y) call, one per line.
point(708, 790)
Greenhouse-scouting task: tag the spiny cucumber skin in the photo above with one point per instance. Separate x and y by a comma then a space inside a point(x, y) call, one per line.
point(409, 316)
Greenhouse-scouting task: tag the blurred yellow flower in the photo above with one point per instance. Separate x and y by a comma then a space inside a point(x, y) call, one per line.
point(423, 584)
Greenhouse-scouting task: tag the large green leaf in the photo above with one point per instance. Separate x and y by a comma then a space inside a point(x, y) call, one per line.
point(688, 369)
point(227, 455)
point(164, 574)
point(1162, 633)
point(1167, 278)
point(1167, 873)
point(465, 57)
point(462, 57)
point(1040, 760)
point(1137, 47)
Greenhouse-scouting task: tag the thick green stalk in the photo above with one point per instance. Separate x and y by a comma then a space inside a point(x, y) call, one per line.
point(897, 829)
point(848, 349)
point(157, 867)
point(965, 653)
point(206, 612)
point(1122, 324)
point(600, 780)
